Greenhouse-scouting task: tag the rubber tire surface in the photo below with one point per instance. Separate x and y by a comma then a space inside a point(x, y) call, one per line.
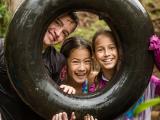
point(130, 23)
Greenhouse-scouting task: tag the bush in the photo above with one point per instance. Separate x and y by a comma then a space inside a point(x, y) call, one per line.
point(4, 19)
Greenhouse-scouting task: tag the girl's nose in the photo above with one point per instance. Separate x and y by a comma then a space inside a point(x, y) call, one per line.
point(106, 52)
point(58, 32)
point(82, 67)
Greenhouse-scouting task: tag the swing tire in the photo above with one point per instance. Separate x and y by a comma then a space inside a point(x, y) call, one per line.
point(127, 19)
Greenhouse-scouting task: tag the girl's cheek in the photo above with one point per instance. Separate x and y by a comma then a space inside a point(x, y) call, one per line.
point(89, 69)
point(99, 55)
point(74, 68)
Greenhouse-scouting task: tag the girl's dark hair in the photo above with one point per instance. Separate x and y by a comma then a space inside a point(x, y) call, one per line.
point(106, 33)
point(72, 43)
point(73, 16)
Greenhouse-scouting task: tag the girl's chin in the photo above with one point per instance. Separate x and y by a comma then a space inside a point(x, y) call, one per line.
point(109, 67)
point(80, 81)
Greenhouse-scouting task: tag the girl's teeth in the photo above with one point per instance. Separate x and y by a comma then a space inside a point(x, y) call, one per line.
point(108, 60)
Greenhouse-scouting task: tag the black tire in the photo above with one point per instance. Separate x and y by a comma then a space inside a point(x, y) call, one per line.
point(127, 19)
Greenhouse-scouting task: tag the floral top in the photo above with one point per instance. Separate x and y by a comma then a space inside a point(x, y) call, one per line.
point(101, 84)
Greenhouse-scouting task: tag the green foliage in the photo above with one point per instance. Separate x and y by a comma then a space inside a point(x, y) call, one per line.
point(88, 32)
point(57, 47)
point(152, 7)
point(145, 105)
point(4, 19)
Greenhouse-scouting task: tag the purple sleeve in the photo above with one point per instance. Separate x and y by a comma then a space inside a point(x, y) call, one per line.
point(156, 81)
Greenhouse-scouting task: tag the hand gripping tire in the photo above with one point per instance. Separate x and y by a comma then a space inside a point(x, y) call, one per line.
point(130, 23)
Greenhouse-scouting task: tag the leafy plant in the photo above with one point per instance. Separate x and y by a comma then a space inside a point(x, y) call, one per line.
point(4, 18)
point(145, 105)
point(88, 32)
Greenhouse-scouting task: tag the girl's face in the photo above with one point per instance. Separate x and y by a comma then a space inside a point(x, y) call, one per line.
point(106, 52)
point(79, 64)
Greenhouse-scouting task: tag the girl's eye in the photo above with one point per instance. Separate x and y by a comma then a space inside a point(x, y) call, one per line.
point(88, 61)
point(112, 48)
point(65, 34)
point(75, 62)
point(100, 49)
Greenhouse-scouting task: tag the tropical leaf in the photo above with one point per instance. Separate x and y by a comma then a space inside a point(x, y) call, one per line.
point(145, 105)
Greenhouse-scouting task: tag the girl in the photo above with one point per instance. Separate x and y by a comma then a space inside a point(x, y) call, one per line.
point(78, 65)
point(78, 56)
point(106, 53)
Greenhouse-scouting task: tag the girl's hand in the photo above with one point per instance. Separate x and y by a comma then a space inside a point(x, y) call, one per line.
point(63, 116)
point(73, 116)
point(60, 116)
point(68, 89)
point(89, 117)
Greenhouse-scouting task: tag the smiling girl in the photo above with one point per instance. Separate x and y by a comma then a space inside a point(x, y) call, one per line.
point(78, 56)
point(74, 75)
point(106, 54)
